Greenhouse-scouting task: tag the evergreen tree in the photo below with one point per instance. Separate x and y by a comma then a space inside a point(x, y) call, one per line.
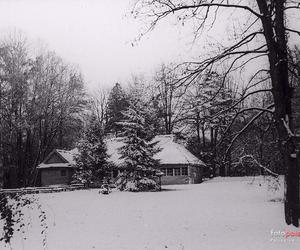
point(91, 162)
point(117, 103)
point(141, 99)
point(139, 165)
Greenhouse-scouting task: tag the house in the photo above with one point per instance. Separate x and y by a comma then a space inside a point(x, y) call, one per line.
point(179, 166)
point(58, 167)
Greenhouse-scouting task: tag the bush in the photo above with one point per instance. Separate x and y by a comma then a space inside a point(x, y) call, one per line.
point(146, 184)
point(137, 185)
point(131, 186)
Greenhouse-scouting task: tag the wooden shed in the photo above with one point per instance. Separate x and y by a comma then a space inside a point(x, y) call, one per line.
point(58, 167)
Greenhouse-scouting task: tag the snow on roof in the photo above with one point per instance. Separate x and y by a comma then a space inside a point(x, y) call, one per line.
point(171, 152)
point(174, 153)
point(68, 155)
point(55, 165)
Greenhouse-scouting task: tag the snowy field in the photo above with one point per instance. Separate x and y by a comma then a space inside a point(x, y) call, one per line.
point(224, 213)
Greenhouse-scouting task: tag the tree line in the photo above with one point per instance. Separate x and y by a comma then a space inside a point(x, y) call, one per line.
point(41, 104)
point(44, 106)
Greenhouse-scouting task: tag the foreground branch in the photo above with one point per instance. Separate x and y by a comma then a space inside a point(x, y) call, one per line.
point(253, 160)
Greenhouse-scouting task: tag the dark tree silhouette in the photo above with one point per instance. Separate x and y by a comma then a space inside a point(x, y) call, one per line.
point(116, 104)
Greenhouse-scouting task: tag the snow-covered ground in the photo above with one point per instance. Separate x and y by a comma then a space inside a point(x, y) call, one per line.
point(224, 213)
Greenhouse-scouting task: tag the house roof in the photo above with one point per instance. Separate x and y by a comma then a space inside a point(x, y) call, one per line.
point(171, 152)
point(68, 156)
point(55, 165)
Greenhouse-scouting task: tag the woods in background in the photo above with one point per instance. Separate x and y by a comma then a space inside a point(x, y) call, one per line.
point(44, 106)
point(41, 101)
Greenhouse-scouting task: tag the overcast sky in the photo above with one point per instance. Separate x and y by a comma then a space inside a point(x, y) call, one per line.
point(96, 35)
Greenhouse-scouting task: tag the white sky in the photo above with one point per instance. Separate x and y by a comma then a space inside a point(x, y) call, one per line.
point(96, 35)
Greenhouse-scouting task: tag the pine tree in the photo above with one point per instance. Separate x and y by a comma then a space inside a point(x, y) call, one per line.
point(117, 103)
point(139, 165)
point(91, 162)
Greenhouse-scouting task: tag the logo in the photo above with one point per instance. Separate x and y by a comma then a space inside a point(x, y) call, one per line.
point(284, 236)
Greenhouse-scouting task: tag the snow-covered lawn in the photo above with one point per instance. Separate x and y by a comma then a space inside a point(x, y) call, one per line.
point(224, 213)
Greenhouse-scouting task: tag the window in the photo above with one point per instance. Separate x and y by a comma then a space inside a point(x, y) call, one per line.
point(174, 171)
point(177, 171)
point(63, 172)
point(170, 171)
point(184, 171)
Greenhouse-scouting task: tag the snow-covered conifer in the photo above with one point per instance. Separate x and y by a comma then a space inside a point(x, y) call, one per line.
point(92, 165)
point(139, 165)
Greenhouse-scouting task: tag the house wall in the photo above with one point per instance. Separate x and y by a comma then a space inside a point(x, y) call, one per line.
point(172, 180)
point(194, 175)
point(53, 176)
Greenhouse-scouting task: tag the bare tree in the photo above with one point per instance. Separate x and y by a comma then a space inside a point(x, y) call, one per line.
point(41, 98)
point(264, 34)
point(169, 97)
point(99, 106)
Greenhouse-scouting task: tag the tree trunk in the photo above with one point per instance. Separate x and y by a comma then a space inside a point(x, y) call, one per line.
point(214, 156)
point(211, 139)
point(20, 163)
point(282, 93)
point(222, 169)
point(203, 137)
point(1, 145)
point(198, 128)
point(1, 162)
point(261, 151)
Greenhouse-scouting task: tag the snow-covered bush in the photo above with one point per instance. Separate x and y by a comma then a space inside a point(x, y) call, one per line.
point(143, 185)
point(131, 186)
point(135, 183)
point(147, 184)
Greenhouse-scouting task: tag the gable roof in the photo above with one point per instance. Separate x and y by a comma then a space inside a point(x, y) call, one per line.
point(68, 157)
point(171, 151)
